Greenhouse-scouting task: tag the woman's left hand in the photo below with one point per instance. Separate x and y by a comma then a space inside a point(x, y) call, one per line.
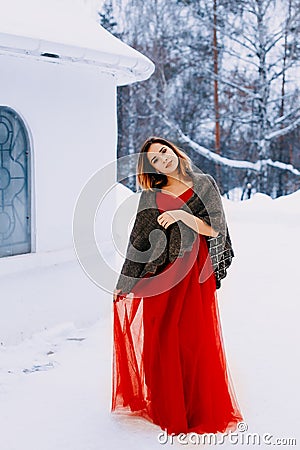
point(168, 217)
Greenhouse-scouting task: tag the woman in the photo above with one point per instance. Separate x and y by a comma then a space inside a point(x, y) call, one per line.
point(169, 362)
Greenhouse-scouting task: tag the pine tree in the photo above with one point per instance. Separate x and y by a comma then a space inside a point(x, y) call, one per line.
point(107, 19)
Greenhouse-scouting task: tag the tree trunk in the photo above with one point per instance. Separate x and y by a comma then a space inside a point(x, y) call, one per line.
point(282, 176)
point(263, 144)
point(216, 89)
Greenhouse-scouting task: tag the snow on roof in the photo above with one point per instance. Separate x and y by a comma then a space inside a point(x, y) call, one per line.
point(65, 29)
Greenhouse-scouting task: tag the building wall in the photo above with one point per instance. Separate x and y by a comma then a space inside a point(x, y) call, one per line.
point(70, 113)
point(71, 118)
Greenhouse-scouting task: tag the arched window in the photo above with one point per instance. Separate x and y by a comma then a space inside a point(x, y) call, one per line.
point(15, 208)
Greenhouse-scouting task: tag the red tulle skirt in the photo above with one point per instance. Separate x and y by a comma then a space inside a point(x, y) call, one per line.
point(169, 363)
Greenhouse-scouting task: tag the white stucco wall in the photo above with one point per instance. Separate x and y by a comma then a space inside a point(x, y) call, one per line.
point(70, 114)
point(69, 108)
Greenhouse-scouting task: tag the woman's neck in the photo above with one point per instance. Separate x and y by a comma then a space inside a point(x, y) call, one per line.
point(177, 179)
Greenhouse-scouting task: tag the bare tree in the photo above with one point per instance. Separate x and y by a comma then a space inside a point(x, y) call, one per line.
point(224, 85)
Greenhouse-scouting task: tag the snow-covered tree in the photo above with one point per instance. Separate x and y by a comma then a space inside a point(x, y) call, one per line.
point(225, 85)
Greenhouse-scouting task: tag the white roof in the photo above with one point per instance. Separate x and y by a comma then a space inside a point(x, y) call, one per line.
point(65, 28)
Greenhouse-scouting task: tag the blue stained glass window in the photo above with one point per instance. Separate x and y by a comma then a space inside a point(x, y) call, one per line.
point(15, 207)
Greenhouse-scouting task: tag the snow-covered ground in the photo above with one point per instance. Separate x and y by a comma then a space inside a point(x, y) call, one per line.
point(55, 386)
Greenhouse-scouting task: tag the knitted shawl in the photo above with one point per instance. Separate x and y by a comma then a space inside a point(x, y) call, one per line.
point(151, 246)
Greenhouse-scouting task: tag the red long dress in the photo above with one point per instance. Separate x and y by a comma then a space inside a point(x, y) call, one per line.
point(169, 363)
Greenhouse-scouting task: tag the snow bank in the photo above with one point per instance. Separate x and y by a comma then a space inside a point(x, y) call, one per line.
point(55, 387)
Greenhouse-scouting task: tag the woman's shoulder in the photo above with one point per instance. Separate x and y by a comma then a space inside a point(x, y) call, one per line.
point(200, 180)
point(147, 199)
point(201, 175)
point(203, 180)
point(146, 193)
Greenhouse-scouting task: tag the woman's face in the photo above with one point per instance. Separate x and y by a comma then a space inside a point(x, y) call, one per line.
point(162, 158)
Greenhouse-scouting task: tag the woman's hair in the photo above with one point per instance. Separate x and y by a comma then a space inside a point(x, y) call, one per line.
point(147, 177)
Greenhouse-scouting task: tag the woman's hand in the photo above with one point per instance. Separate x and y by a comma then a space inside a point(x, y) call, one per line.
point(195, 223)
point(168, 217)
point(116, 292)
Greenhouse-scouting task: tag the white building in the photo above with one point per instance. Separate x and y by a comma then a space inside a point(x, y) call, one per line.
point(59, 71)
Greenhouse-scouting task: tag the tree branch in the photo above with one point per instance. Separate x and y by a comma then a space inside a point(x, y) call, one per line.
point(240, 164)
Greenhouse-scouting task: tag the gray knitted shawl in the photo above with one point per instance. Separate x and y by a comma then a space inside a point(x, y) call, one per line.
point(151, 246)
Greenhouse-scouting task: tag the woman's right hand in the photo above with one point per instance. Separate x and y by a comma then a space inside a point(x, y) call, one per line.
point(128, 296)
point(115, 294)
